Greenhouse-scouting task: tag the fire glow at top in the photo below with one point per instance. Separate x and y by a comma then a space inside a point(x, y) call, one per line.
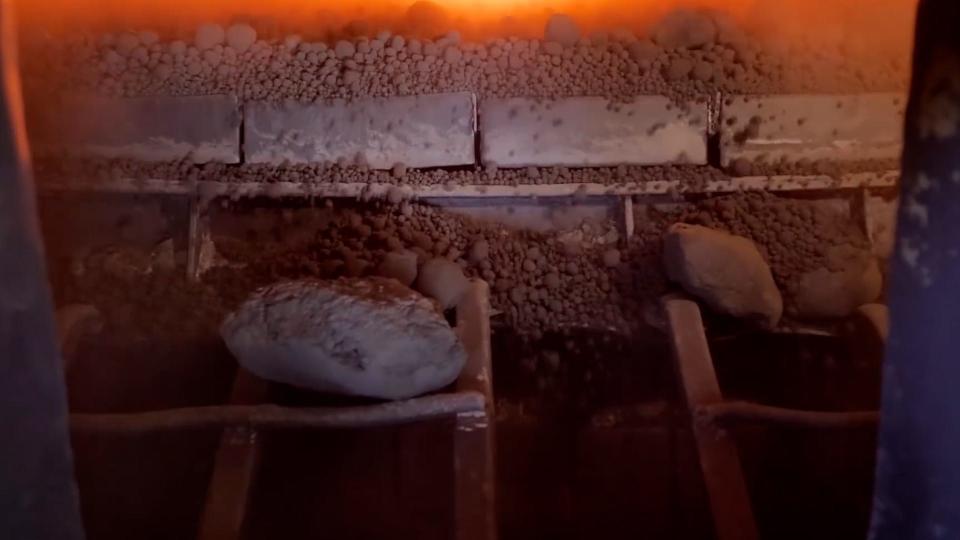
point(874, 22)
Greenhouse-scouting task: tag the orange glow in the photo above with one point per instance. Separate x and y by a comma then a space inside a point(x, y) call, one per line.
point(869, 21)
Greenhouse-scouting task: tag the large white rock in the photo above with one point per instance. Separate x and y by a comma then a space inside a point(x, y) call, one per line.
point(435, 130)
point(725, 271)
point(591, 132)
point(812, 127)
point(363, 337)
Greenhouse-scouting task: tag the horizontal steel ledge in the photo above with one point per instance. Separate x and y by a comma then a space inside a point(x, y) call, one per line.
point(365, 190)
point(741, 411)
point(273, 416)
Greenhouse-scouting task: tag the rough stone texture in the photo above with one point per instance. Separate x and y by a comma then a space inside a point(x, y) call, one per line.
point(725, 271)
point(591, 131)
point(240, 37)
point(399, 265)
point(850, 279)
point(209, 36)
point(442, 280)
point(366, 337)
point(811, 127)
point(200, 128)
point(417, 131)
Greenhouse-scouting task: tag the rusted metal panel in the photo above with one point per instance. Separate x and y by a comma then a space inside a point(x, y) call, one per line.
point(812, 127)
point(434, 130)
point(162, 128)
point(719, 461)
point(591, 131)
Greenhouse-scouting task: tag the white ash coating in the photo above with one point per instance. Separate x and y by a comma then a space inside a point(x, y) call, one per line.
point(368, 337)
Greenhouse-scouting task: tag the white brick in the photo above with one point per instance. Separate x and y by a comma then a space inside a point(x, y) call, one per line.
point(419, 131)
point(591, 131)
point(867, 126)
point(202, 128)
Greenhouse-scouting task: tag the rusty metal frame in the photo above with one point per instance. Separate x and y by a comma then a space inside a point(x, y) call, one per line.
point(711, 414)
point(471, 406)
point(719, 461)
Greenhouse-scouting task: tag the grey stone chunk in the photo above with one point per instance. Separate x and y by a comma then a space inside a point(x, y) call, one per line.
point(362, 337)
point(725, 271)
point(200, 128)
point(399, 265)
point(443, 281)
point(434, 130)
point(837, 127)
point(850, 279)
point(591, 131)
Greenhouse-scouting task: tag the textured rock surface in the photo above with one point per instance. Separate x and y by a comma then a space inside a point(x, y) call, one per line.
point(399, 265)
point(364, 337)
point(850, 279)
point(725, 271)
point(442, 280)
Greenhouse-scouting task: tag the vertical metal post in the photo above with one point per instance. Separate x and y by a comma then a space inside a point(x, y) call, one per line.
point(473, 438)
point(38, 496)
point(719, 460)
point(917, 493)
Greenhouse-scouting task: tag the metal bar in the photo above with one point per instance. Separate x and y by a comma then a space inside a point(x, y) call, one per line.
point(38, 497)
point(234, 469)
point(360, 190)
point(719, 461)
point(268, 416)
point(728, 412)
point(629, 224)
point(473, 461)
point(195, 232)
point(138, 186)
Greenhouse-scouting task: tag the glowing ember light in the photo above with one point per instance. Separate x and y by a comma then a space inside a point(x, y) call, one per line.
point(872, 21)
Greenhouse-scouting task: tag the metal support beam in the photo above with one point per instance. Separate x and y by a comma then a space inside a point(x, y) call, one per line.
point(235, 468)
point(719, 460)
